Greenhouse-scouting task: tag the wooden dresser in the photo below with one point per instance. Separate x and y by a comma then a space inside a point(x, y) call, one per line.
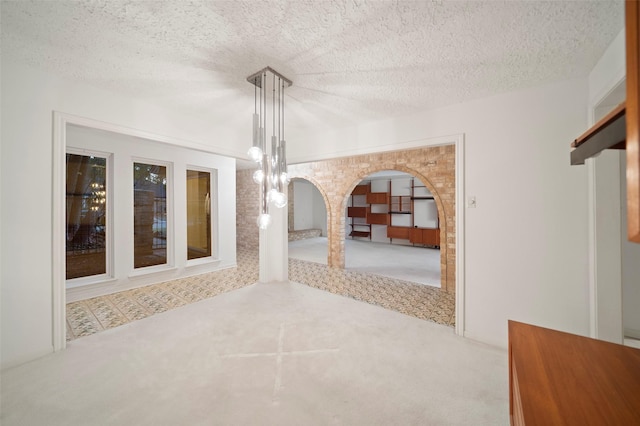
point(558, 378)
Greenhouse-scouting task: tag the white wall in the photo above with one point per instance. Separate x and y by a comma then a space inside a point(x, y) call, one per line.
point(425, 214)
point(319, 211)
point(530, 202)
point(309, 210)
point(609, 71)
point(303, 205)
point(29, 98)
point(526, 242)
point(604, 201)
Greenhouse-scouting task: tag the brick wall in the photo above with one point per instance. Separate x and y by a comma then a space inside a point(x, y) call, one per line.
point(336, 178)
point(247, 209)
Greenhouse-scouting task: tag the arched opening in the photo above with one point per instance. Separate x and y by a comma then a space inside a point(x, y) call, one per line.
point(307, 216)
point(392, 228)
point(431, 166)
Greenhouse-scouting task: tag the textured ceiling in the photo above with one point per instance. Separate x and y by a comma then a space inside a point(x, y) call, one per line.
point(350, 60)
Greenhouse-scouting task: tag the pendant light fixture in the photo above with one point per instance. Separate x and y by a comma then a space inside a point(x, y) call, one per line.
point(268, 119)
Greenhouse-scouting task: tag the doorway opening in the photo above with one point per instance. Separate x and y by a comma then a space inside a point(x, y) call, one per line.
point(307, 218)
point(439, 164)
point(392, 229)
point(615, 265)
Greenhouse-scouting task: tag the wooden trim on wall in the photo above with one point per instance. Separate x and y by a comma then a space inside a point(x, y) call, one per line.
point(603, 122)
point(633, 119)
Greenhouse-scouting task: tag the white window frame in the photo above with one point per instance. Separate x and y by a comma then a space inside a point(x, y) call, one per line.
point(170, 249)
point(108, 276)
point(213, 185)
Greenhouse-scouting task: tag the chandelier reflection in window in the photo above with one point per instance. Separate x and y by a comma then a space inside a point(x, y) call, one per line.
point(98, 196)
point(268, 119)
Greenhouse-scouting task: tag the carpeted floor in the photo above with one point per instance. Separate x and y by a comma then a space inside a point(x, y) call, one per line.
point(93, 315)
point(265, 354)
point(418, 265)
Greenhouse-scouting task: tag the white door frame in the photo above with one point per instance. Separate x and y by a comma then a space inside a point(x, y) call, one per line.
point(604, 239)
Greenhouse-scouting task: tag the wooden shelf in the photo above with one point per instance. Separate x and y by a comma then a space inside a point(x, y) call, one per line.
point(558, 378)
point(401, 232)
point(377, 218)
point(608, 133)
point(361, 190)
point(363, 234)
point(400, 203)
point(357, 211)
point(378, 198)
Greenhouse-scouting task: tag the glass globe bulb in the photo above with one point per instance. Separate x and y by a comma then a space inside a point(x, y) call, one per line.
point(255, 154)
point(271, 195)
point(258, 176)
point(279, 200)
point(284, 178)
point(264, 220)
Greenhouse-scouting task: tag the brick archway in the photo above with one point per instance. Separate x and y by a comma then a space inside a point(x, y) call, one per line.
point(433, 166)
point(442, 217)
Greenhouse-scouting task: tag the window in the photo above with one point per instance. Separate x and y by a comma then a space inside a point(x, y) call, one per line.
point(198, 214)
point(149, 214)
point(86, 216)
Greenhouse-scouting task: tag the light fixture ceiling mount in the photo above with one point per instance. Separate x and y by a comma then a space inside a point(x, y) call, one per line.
point(268, 118)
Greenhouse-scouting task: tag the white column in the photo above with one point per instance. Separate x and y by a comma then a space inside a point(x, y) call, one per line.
point(274, 248)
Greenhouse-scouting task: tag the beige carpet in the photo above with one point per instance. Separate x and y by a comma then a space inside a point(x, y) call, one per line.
point(420, 265)
point(265, 354)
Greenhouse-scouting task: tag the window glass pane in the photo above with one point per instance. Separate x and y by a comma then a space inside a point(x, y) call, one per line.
point(198, 214)
point(149, 214)
point(86, 214)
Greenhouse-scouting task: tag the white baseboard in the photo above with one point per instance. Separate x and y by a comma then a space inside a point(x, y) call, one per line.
point(6, 365)
point(632, 333)
point(634, 343)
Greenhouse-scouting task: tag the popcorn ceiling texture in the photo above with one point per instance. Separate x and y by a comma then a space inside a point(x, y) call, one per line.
point(336, 178)
point(350, 60)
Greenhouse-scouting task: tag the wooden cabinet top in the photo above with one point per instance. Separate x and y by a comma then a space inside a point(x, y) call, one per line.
point(565, 379)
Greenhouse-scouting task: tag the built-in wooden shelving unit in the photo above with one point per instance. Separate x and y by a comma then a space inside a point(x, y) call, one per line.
point(400, 204)
point(358, 214)
point(362, 216)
